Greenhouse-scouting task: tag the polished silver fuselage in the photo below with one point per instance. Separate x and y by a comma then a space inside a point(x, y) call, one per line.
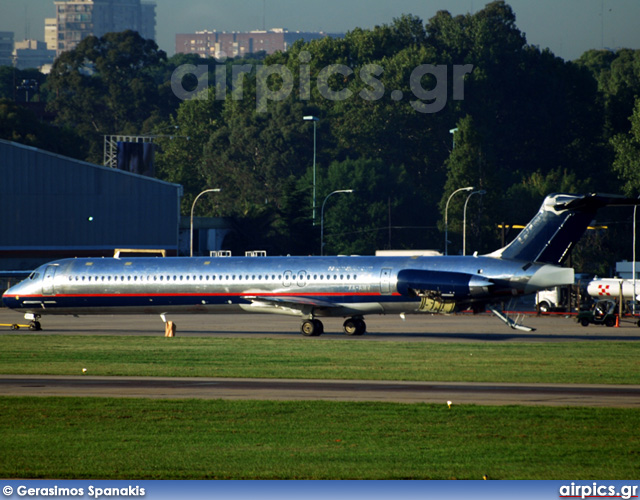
point(303, 286)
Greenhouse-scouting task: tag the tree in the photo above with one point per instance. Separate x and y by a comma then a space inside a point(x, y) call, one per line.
point(363, 222)
point(469, 165)
point(11, 83)
point(627, 155)
point(180, 158)
point(21, 125)
point(618, 77)
point(106, 86)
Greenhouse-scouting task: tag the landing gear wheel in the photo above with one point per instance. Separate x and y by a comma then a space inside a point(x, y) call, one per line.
point(312, 328)
point(35, 325)
point(354, 326)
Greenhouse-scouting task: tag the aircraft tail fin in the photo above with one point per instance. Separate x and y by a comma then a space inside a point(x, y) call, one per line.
point(557, 227)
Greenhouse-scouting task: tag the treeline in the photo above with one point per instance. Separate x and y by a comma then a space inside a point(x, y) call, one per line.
point(407, 113)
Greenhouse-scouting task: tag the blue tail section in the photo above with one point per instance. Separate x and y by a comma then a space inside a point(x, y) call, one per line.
point(557, 227)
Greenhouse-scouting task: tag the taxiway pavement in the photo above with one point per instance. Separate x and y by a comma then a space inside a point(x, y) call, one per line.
point(422, 328)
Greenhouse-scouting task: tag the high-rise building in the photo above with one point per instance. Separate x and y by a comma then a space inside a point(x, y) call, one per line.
point(222, 44)
point(78, 19)
point(51, 33)
point(6, 48)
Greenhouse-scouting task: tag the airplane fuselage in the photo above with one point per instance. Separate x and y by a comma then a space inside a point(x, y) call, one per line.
point(302, 286)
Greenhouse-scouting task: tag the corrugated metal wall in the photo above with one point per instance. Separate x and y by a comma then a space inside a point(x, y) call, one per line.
point(50, 202)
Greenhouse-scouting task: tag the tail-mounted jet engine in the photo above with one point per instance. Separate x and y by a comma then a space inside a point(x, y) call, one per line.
point(441, 291)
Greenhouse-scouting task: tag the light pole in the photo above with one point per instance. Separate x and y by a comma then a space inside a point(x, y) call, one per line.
point(322, 216)
point(446, 221)
point(633, 267)
point(464, 220)
point(216, 190)
point(315, 120)
point(453, 136)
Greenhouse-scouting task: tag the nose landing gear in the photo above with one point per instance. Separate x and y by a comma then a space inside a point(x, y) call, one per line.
point(34, 323)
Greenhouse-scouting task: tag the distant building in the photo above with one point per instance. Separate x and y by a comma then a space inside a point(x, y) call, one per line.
point(6, 48)
point(51, 33)
point(234, 44)
point(32, 54)
point(78, 19)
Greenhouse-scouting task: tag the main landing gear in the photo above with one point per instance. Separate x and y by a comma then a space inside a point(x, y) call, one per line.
point(352, 326)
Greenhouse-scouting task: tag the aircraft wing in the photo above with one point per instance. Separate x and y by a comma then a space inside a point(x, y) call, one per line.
point(292, 301)
point(287, 304)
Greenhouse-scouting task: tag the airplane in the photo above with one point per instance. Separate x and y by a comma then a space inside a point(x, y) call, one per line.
point(314, 287)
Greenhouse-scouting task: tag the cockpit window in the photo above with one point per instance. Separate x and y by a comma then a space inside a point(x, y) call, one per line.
point(34, 275)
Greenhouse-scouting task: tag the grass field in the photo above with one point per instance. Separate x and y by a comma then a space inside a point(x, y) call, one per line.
point(601, 362)
point(155, 439)
point(193, 439)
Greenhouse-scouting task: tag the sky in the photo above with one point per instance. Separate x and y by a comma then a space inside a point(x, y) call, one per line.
point(567, 27)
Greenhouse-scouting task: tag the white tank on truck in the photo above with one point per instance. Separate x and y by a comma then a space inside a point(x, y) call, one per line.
point(610, 288)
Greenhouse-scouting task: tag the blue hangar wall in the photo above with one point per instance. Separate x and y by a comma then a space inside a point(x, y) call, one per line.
point(52, 206)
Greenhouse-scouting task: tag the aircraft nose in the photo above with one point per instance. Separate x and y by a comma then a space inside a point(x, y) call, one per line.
point(10, 298)
point(5, 297)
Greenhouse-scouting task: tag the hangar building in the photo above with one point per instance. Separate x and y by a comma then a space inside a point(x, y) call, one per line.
point(53, 207)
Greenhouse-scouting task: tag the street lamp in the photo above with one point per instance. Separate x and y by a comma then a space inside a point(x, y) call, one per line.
point(633, 267)
point(453, 136)
point(322, 216)
point(315, 120)
point(216, 190)
point(464, 220)
point(446, 221)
